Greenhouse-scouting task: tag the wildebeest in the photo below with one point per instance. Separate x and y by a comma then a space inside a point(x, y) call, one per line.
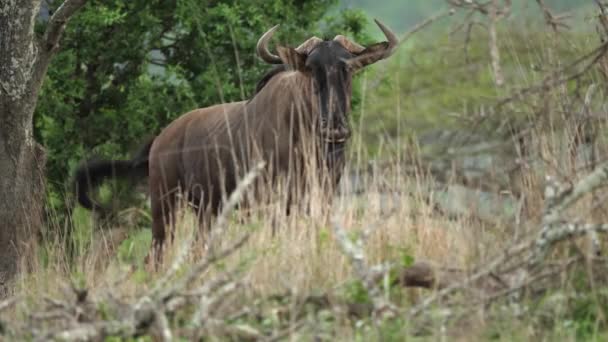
point(303, 101)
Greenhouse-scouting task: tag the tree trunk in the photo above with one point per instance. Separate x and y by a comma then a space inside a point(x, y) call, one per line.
point(24, 60)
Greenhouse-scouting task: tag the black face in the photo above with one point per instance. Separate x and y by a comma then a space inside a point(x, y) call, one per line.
point(332, 82)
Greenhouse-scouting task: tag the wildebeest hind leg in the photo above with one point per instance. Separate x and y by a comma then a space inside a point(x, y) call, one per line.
point(163, 218)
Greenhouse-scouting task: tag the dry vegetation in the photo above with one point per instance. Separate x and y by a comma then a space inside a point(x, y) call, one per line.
point(386, 260)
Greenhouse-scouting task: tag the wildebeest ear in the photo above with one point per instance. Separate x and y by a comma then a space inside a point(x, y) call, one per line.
point(292, 57)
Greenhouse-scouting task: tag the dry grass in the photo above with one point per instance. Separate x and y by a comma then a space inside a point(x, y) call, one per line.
point(299, 255)
point(295, 252)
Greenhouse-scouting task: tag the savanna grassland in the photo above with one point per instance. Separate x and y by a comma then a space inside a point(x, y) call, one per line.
point(467, 212)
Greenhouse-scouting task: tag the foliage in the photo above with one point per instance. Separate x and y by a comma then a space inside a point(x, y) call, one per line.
point(435, 84)
point(126, 69)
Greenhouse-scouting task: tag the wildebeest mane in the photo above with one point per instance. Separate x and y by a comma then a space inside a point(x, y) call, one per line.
point(273, 72)
point(270, 74)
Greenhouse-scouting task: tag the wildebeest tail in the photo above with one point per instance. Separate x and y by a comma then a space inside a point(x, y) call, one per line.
point(92, 173)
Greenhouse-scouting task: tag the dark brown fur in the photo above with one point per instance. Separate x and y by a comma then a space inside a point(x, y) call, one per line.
point(206, 151)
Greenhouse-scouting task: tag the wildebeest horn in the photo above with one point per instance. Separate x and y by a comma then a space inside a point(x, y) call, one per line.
point(308, 45)
point(377, 51)
point(349, 45)
point(262, 48)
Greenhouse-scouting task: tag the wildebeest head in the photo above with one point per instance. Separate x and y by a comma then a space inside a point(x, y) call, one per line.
point(330, 65)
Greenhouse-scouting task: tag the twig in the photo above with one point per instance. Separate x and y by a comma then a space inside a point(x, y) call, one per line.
point(203, 265)
point(552, 20)
point(5, 304)
point(509, 254)
point(603, 17)
point(163, 326)
point(233, 201)
point(418, 27)
point(354, 251)
point(292, 329)
point(207, 303)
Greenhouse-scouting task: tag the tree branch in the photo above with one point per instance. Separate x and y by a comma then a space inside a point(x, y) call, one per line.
point(598, 178)
point(57, 23)
point(559, 198)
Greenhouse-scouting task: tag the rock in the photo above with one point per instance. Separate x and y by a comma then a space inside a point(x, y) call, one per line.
point(458, 200)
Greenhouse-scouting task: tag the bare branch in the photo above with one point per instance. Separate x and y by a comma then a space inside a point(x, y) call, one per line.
point(564, 199)
point(570, 230)
point(558, 198)
point(424, 24)
point(499, 79)
point(354, 251)
point(555, 21)
point(163, 326)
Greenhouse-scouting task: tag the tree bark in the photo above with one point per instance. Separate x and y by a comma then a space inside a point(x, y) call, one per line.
point(24, 60)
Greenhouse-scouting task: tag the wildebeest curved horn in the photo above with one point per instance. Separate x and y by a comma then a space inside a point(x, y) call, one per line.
point(308, 45)
point(349, 45)
point(377, 51)
point(262, 48)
